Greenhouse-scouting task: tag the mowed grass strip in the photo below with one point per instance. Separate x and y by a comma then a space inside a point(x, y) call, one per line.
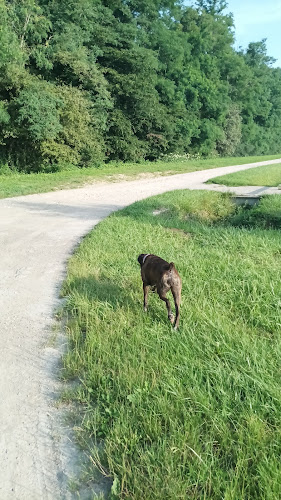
point(16, 184)
point(194, 413)
point(268, 175)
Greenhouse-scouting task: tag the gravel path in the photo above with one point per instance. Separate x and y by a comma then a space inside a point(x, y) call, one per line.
point(37, 235)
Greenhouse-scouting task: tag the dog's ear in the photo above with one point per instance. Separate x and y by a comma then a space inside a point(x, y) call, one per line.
point(140, 258)
point(171, 266)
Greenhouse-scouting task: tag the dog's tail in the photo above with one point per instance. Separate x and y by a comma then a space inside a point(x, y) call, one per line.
point(169, 267)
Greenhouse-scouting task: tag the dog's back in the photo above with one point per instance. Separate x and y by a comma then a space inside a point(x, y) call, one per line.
point(153, 267)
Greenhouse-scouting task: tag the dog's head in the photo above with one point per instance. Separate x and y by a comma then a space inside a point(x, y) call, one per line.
point(141, 258)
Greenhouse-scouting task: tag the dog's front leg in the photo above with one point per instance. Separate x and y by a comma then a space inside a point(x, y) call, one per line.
point(145, 294)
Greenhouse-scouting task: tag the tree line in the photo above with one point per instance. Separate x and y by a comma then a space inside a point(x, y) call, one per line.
point(92, 80)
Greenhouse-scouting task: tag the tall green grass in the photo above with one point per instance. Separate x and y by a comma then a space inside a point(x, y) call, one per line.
point(193, 414)
point(16, 184)
point(267, 175)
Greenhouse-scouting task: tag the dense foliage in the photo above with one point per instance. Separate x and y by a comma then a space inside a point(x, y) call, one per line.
point(85, 81)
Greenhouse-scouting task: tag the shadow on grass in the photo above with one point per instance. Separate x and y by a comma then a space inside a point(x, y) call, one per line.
point(254, 218)
point(103, 290)
point(109, 293)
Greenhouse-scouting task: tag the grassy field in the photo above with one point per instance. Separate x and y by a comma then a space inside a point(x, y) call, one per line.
point(22, 184)
point(192, 414)
point(269, 175)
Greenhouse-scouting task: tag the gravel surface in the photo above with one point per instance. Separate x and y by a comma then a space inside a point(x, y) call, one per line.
point(37, 235)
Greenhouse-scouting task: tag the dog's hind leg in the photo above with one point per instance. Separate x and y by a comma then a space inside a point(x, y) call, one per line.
point(162, 295)
point(177, 299)
point(145, 294)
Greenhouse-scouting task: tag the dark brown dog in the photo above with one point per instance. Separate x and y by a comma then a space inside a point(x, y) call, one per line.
point(163, 276)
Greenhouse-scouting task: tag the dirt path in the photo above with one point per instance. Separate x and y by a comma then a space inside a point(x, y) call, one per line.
point(37, 235)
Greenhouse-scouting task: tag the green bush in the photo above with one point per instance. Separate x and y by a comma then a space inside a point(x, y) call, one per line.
point(6, 170)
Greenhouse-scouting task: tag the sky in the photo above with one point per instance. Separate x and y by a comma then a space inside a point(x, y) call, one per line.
point(255, 20)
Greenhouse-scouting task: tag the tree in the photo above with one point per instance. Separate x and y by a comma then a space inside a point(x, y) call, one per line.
point(130, 80)
point(213, 7)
